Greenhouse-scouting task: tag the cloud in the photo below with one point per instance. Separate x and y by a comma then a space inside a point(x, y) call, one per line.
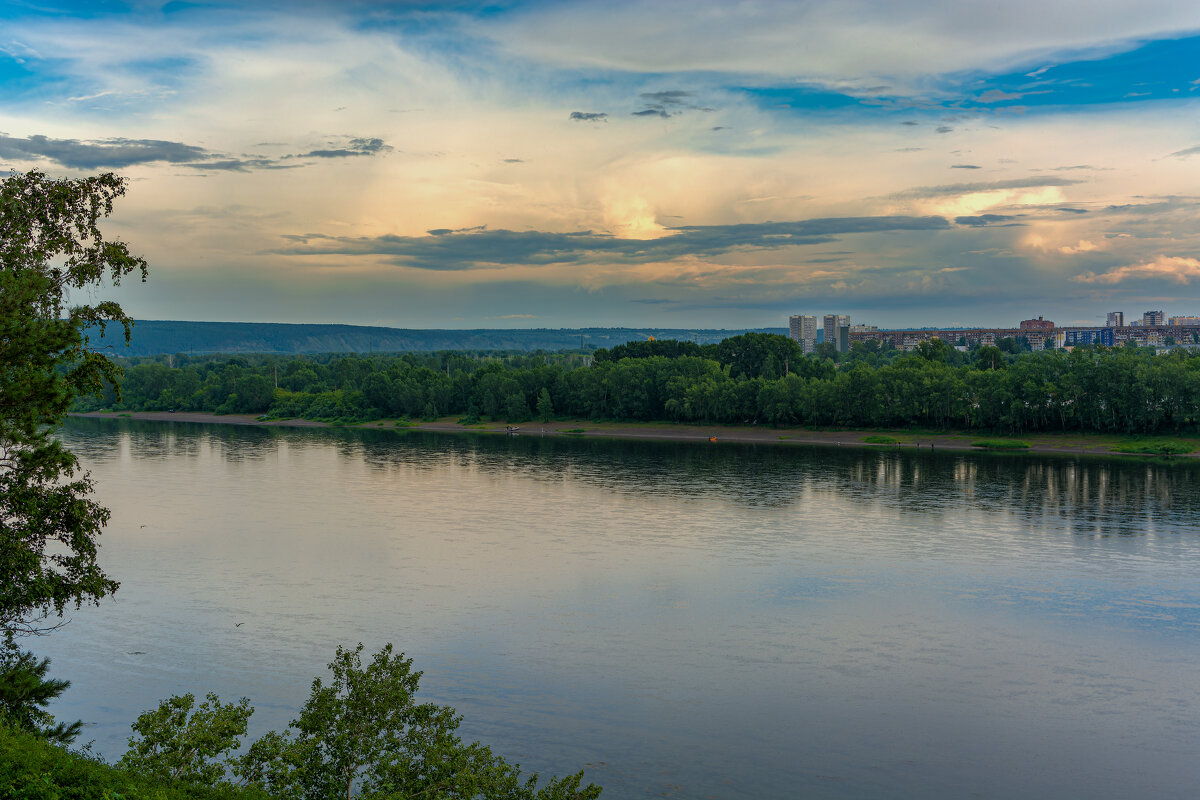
point(1084, 246)
point(452, 250)
point(354, 148)
point(116, 153)
point(965, 166)
point(951, 189)
point(1169, 268)
point(667, 103)
point(943, 129)
point(1191, 151)
point(652, 301)
point(589, 116)
point(846, 44)
point(997, 96)
point(982, 220)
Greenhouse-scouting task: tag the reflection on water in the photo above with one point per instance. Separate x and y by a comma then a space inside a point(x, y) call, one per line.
point(692, 620)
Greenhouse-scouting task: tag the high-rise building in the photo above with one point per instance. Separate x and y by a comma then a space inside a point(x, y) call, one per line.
point(1116, 319)
point(803, 329)
point(1184, 321)
point(1154, 318)
point(832, 323)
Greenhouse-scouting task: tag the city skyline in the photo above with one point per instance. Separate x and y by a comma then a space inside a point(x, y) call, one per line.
point(522, 164)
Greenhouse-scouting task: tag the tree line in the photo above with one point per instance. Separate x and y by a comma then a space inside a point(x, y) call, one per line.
point(754, 378)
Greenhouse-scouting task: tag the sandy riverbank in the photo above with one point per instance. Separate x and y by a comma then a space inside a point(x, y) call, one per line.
point(1042, 443)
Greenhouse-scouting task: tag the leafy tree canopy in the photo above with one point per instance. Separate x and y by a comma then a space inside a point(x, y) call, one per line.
point(51, 244)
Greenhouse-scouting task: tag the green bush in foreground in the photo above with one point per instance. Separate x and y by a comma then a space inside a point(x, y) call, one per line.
point(880, 440)
point(1001, 444)
point(32, 768)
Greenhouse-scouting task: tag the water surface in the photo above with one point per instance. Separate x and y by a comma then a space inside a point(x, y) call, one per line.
point(687, 620)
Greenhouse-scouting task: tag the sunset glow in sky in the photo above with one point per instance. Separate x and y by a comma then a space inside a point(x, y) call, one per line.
point(678, 164)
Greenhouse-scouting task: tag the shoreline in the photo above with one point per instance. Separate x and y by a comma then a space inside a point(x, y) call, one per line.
point(1062, 444)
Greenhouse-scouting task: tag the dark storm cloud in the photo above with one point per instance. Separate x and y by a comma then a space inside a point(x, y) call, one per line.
point(79, 154)
point(445, 249)
point(589, 116)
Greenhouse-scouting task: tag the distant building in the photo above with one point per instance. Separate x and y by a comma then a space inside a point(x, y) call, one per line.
point(1038, 324)
point(1078, 336)
point(803, 329)
point(832, 323)
point(1154, 318)
point(1184, 321)
point(1116, 319)
point(864, 329)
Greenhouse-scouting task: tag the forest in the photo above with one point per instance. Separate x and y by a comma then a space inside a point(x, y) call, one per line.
point(753, 378)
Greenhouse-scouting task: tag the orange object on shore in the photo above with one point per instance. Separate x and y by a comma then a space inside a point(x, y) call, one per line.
point(712, 438)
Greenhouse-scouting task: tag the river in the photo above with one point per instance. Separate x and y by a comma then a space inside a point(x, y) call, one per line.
point(682, 620)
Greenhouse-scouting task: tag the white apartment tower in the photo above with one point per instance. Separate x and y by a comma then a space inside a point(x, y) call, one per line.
point(1116, 319)
point(832, 323)
point(803, 329)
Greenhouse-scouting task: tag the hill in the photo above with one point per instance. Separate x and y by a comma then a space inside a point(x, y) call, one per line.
point(152, 337)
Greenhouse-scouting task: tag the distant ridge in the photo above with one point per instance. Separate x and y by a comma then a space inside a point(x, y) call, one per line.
point(154, 337)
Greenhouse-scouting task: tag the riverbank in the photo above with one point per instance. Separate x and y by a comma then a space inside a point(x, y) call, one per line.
point(1080, 444)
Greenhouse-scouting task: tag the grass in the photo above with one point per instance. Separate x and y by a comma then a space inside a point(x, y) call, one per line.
point(1156, 447)
point(1000, 444)
point(576, 431)
point(881, 440)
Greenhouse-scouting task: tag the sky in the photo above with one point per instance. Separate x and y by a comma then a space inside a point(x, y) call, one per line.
point(524, 163)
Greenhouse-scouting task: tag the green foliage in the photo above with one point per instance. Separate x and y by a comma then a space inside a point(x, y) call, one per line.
point(1161, 447)
point(663, 348)
point(51, 244)
point(545, 406)
point(1001, 444)
point(181, 742)
point(25, 691)
point(32, 768)
point(879, 440)
point(365, 733)
point(749, 379)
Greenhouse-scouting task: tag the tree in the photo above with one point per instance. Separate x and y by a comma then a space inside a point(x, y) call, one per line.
point(365, 733)
point(545, 406)
point(178, 744)
point(25, 691)
point(51, 244)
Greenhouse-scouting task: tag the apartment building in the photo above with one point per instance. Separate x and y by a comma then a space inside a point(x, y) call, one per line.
point(803, 329)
